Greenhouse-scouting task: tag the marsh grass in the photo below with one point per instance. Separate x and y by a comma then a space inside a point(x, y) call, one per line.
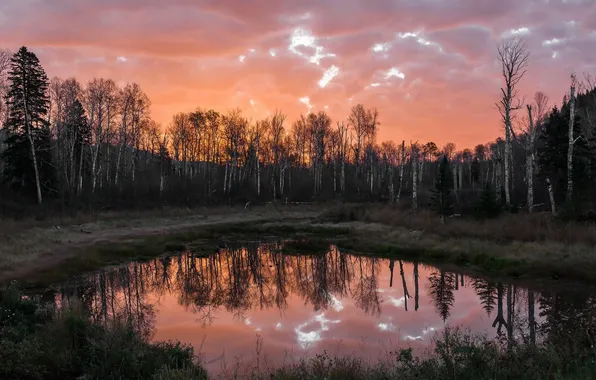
point(522, 227)
point(520, 245)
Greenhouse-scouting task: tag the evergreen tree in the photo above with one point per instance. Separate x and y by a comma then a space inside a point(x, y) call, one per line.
point(28, 155)
point(487, 205)
point(552, 153)
point(441, 286)
point(442, 200)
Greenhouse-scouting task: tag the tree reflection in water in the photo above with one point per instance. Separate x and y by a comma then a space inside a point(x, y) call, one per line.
point(261, 277)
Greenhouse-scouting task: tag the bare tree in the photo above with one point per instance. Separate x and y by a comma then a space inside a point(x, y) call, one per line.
point(401, 168)
point(536, 113)
point(414, 160)
point(572, 141)
point(513, 55)
point(5, 56)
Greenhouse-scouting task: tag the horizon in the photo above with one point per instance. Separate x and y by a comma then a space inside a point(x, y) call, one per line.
point(430, 68)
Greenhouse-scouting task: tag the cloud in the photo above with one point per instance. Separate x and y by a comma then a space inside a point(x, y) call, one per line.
point(440, 55)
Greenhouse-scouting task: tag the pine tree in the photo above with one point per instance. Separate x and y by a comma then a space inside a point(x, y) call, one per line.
point(487, 205)
point(442, 200)
point(28, 156)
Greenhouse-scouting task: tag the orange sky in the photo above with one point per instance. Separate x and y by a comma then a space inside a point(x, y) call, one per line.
point(428, 65)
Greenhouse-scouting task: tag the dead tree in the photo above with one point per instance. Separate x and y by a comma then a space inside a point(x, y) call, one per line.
point(513, 55)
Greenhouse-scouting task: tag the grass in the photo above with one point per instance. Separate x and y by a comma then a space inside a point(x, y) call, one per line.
point(30, 249)
point(521, 226)
point(40, 341)
point(513, 245)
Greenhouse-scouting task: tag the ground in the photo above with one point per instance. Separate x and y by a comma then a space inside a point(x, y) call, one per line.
point(514, 246)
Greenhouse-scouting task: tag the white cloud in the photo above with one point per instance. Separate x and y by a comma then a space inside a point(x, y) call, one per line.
point(553, 41)
point(307, 338)
point(380, 47)
point(121, 59)
point(394, 72)
point(242, 58)
point(386, 326)
point(521, 31)
point(329, 74)
point(306, 100)
point(272, 52)
point(302, 37)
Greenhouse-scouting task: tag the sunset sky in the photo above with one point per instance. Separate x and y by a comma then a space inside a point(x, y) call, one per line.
point(429, 66)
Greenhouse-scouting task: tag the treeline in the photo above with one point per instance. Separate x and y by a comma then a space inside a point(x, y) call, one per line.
point(96, 146)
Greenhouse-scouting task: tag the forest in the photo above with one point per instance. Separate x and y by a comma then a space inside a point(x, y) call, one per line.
point(67, 145)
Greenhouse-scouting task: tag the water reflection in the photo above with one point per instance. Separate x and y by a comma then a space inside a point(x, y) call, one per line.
point(304, 304)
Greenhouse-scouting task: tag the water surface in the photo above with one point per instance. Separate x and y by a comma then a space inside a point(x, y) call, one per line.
point(257, 301)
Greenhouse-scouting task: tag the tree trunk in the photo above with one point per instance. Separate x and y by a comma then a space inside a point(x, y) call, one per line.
point(391, 185)
point(498, 181)
point(454, 171)
point(551, 196)
point(530, 180)
point(571, 144)
point(80, 175)
point(531, 317)
point(258, 169)
point(401, 169)
point(507, 163)
point(416, 292)
point(461, 175)
point(34, 158)
point(414, 181)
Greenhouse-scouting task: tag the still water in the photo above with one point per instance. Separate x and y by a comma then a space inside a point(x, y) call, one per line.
point(257, 301)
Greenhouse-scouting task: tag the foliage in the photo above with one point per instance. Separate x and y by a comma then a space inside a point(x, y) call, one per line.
point(38, 341)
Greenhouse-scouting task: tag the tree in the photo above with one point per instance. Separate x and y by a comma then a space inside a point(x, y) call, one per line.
point(571, 140)
point(534, 119)
point(442, 202)
point(78, 136)
point(28, 104)
point(513, 55)
point(553, 155)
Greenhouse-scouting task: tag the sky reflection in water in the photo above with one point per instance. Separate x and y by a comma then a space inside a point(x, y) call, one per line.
point(229, 304)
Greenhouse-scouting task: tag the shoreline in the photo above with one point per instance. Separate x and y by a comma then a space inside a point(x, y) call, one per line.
point(49, 254)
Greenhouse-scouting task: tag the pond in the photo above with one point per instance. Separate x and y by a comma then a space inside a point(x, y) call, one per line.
point(259, 302)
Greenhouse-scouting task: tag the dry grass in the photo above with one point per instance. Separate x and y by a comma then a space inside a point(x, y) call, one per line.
point(28, 246)
point(537, 227)
point(518, 245)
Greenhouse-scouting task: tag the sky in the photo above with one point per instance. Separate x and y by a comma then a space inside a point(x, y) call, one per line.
point(428, 66)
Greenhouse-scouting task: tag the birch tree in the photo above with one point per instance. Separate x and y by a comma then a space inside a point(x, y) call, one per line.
point(572, 140)
point(536, 112)
point(513, 57)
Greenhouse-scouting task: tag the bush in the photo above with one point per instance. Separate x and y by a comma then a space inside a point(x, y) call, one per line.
point(37, 341)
